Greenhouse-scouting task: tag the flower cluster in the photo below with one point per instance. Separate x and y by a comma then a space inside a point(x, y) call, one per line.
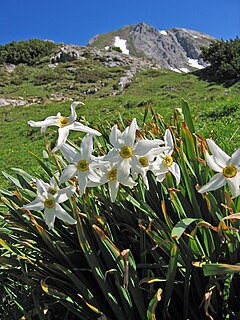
point(128, 159)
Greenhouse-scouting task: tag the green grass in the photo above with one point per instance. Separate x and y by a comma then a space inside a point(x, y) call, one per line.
point(215, 108)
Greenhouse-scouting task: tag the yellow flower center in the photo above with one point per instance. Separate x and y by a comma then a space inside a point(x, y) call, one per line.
point(83, 165)
point(143, 161)
point(126, 152)
point(112, 175)
point(49, 203)
point(168, 160)
point(229, 171)
point(63, 122)
point(52, 191)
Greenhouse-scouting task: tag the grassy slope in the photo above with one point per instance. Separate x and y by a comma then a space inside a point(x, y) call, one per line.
point(215, 107)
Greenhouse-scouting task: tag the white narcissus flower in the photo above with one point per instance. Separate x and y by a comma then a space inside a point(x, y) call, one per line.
point(49, 197)
point(83, 164)
point(125, 149)
point(142, 164)
point(65, 124)
point(164, 162)
point(228, 169)
point(112, 176)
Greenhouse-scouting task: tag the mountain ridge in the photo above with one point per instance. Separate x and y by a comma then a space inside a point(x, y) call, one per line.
point(177, 49)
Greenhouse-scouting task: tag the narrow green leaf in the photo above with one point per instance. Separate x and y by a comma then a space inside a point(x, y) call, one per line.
point(153, 305)
point(181, 226)
point(187, 116)
point(170, 279)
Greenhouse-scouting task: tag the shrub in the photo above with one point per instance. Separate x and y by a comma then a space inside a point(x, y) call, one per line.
point(224, 58)
point(28, 52)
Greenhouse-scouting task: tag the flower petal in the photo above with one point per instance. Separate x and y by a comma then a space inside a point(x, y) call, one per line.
point(68, 152)
point(49, 121)
point(36, 205)
point(144, 146)
point(42, 188)
point(68, 173)
point(62, 137)
point(175, 170)
point(235, 159)
point(215, 183)
point(129, 133)
point(115, 137)
point(234, 185)
point(63, 215)
point(160, 177)
point(73, 115)
point(86, 147)
point(113, 156)
point(113, 187)
point(77, 126)
point(53, 181)
point(82, 182)
point(168, 140)
point(49, 217)
point(64, 194)
point(123, 170)
point(129, 182)
point(212, 164)
point(220, 157)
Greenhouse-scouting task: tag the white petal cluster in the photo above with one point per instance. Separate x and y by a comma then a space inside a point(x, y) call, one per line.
point(127, 159)
point(83, 165)
point(164, 162)
point(64, 124)
point(130, 158)
point(227, 168)
point(49, 197)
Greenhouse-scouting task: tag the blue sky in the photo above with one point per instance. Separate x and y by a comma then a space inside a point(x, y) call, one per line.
point(76, 21)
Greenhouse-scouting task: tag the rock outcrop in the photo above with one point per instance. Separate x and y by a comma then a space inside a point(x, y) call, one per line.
point(177, 49)
point(108, 58)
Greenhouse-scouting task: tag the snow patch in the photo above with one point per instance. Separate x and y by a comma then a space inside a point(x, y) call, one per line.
point(106, 48)
point(184, 70)
point(121, 43)
point(163, 32)
point(175, 69)
point(194, 63)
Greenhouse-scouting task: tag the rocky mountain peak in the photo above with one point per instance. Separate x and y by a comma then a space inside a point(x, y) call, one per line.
point(177, 49)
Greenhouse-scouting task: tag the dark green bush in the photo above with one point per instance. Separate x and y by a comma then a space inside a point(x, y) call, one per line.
point(224, 58)
point(28, 52)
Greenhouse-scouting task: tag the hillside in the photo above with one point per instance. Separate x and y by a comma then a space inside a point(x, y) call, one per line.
point(108, 82)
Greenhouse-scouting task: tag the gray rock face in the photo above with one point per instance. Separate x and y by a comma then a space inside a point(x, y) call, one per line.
point(177, 49)
point(67, 53)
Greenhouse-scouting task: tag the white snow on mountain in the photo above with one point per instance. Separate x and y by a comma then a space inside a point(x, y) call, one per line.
point(194, 63)
point(184, 70)
point(175, 69)
point(121, 43)
point(163, 32)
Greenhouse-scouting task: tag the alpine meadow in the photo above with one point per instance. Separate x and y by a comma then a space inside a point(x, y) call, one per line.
point(120, 177)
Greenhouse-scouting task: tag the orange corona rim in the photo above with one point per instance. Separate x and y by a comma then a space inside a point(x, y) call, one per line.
point(126, 152)
point(49, 203)
point(83, 165)
point(230, 171)
point(63, 122)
